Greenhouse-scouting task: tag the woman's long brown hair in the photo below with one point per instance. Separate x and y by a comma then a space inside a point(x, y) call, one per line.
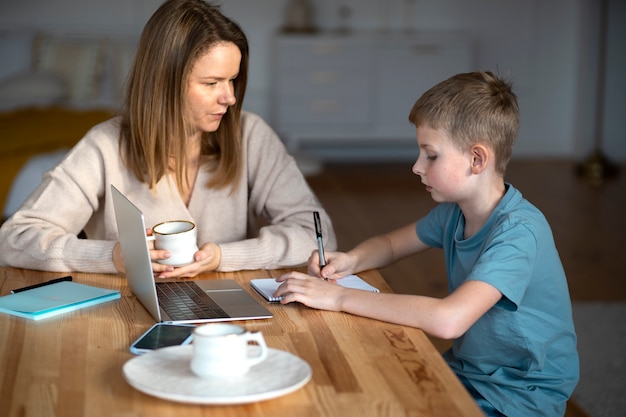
point(154, 126)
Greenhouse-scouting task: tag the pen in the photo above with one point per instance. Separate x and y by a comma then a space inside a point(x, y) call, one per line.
point(320, 243)
point(43, 284)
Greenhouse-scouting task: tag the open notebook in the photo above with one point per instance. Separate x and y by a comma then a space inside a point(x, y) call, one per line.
point(268, 286)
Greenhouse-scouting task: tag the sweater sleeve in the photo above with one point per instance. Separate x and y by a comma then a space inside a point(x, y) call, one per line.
point(42, 234)
point(279, 194)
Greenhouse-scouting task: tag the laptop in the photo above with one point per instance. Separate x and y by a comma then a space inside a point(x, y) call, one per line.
point(202, 301)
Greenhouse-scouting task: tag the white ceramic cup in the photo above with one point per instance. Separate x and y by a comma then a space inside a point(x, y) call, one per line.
point(179, 237)
point(221, 350)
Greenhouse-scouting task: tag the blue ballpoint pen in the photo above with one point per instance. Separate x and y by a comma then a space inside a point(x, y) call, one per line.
point(320, 242)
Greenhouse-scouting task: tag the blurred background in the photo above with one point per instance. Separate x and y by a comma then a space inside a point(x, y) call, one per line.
point(548, 48)
point(335, 78)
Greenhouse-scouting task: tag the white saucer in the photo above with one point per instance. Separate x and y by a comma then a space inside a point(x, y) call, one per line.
point(165, 373)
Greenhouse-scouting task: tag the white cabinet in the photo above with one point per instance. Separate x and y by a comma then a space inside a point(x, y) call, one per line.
point(322, 81)
point(349, 96)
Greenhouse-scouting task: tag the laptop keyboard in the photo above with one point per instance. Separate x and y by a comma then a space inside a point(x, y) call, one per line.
point(185, 300)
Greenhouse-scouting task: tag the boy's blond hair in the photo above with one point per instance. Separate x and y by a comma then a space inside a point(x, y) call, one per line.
point(470, 108)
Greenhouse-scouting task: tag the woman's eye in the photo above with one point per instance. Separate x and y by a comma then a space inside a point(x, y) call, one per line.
point(431, 157)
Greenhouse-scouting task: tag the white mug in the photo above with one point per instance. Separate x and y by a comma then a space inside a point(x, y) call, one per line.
point(221, 350)
point(179, 237)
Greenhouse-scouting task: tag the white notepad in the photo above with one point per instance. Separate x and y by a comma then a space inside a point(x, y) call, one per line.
point(268, 286)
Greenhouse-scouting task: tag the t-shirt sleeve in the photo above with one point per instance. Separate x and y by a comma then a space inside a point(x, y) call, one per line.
point(431, 228)
point(506, 263)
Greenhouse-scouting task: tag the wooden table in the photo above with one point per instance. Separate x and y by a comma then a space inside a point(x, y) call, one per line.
point(71, 365)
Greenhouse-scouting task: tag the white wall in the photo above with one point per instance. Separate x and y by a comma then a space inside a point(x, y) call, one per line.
point(548, 48)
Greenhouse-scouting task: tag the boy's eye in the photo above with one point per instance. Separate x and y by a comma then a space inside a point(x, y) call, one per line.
point(431, 157)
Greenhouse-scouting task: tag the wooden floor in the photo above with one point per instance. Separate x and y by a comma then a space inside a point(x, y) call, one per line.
point(588, 222)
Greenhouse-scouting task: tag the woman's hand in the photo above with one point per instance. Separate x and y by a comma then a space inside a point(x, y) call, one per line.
point(118, 259)
point(206, 259)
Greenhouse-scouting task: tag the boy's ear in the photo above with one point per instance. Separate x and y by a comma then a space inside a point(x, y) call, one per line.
point(480, 157)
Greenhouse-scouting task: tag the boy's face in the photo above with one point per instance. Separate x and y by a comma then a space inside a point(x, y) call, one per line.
point(443, 168)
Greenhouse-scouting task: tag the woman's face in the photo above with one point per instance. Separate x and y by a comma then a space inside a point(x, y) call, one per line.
point(210, 89)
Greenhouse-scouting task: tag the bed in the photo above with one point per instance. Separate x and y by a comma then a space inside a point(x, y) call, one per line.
point(70, 83)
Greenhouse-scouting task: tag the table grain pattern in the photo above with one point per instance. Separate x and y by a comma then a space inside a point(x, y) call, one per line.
point(71, 365)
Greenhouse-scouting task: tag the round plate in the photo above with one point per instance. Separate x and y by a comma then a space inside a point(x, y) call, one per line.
point(165, 373)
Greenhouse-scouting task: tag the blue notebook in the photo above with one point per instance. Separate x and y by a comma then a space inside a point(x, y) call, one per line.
point(268, 286)
point(54, 299)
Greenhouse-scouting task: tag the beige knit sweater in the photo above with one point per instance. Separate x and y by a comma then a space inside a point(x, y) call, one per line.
point(75, 196)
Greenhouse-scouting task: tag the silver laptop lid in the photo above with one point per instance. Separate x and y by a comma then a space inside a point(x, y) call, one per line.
point(131, 228)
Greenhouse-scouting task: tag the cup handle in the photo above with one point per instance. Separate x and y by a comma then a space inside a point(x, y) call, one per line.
point(150, 238)
point(260, 340)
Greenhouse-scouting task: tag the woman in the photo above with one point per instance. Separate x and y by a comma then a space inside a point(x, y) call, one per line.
point(182, 149)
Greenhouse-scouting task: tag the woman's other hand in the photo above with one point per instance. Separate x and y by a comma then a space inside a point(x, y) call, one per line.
point(206, 259)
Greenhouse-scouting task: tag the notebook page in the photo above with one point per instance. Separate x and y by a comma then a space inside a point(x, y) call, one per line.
point(268, 286)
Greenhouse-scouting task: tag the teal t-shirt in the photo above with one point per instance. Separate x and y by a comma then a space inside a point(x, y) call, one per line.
point(521, 355)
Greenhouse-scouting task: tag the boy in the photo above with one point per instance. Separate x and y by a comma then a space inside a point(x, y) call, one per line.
point(508, 311)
